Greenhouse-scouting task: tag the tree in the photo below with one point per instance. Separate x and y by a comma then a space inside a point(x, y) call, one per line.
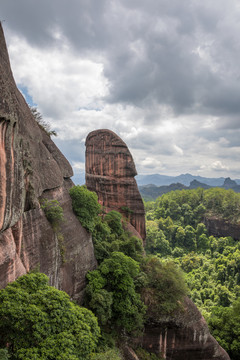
point(164, 288)
point(85, 206)
point(44, 125)
point(114, 220)
point(224, 324)
point(111, 292)
point(38, 321)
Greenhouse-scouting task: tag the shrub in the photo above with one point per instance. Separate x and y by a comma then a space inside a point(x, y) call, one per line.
point(164, 288)
point(145, 355)
point(4, 354)
point(110, 354)
point(53, 212)
point(85, 206)
point(114, 221)
point(44, 125)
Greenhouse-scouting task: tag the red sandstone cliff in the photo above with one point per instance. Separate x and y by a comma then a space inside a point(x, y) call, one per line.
point(184, 336)
point(110, 172)
point(31, 166)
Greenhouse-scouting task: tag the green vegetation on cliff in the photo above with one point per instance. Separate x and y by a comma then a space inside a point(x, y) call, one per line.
point(126, 282)
point(175, 230)
point(85, 205)
point(38, 321)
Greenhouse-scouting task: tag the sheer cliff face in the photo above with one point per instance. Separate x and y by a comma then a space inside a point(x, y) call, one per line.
point(31, 166)
point(182, 336)
point(110, 172)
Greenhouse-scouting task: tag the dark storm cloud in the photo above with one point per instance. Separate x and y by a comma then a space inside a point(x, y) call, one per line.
point(150, 49)
point(81, 21)
point(164, 61)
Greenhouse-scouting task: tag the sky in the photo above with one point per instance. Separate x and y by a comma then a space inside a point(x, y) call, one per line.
point(162, 74)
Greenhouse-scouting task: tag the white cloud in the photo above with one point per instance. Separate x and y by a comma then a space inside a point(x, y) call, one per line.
point(59, 81)
point(164, 75)
point(217, 165)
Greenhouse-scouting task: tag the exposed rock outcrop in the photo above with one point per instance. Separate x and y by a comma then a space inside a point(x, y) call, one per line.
point(31, 166)
point(220, 227)
point(110, 172)
point(184, 336)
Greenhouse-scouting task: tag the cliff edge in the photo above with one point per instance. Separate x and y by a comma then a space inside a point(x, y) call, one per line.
point(31, 168)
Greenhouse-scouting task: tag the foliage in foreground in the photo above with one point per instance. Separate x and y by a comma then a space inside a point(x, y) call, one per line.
point(38, 321)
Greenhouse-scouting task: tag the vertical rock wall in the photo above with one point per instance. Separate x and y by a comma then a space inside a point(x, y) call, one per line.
point(183, 336)
point(110, 172)
point(32, 167)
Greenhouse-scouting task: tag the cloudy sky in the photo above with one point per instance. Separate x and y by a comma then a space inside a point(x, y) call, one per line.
point(163, 74)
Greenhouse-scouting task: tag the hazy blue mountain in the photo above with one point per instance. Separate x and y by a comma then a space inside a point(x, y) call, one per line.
point(196, 184)
point(151, 192)
point(185, 179)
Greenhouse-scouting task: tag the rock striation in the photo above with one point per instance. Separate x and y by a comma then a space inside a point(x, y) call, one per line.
point(31, 168)
point(110, 172)
point(184, 336)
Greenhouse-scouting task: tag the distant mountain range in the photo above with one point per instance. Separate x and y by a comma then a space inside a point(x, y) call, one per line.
point(151, 191)
point(184, 179)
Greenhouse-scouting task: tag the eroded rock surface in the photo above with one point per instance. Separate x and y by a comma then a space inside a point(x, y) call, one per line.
point(110, 172)
point(184, 336)
point(220, 227)
point(31, 166)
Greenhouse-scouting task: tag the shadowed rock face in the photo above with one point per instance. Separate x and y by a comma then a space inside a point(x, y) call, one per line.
point(221, 227)
point(31, 166)
point(184, 336)
point(110, 172)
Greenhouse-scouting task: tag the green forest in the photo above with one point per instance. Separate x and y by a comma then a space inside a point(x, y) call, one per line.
point(176, 230)
point(130, 286)
point(40, 322)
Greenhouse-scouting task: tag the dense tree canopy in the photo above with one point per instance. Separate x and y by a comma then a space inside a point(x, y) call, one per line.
point(38, 321)
point(212, 265)
point(111, 292)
